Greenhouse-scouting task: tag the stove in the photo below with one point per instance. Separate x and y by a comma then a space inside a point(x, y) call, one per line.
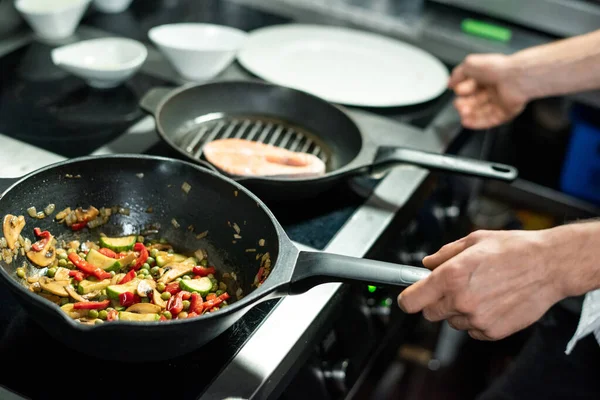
point(49, 110)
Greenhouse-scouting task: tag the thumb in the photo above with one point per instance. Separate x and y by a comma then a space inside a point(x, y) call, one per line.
point(485, 68)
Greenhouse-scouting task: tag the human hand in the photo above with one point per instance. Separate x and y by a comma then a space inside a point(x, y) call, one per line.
point(489, 283)
point(488, 91)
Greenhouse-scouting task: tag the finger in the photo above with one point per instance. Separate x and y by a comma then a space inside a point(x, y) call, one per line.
point(440, 310)
point(478, 335)
point(419, 295)
point(445, 253)
point(460, 323)
point(466, 87)
point(457, 76)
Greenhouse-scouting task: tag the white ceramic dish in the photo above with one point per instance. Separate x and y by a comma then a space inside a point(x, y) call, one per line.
point(344, 66)
point(52, 19)
point(103, 63)
point(112, 6)
point(198, 51)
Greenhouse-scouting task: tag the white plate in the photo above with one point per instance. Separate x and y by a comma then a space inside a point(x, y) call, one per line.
point(343, 65)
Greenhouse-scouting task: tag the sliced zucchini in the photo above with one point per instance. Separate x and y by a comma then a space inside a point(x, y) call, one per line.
point(113, 291)
point(131, 316)
point(144, 308)
point(118, 244)
point(99, 260)
point(175, 270)
point(163, 258)
point(86, 286)
point(202, 285)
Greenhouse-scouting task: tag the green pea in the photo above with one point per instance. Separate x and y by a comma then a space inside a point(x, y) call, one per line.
point(103, 314)
point(154, 253)
point(170, 251)
point(140, 239)
point(70, 265)
point(182, 315)
point(219, 292)
point(162, 241)
point(187, 277)
point(204, 262)
point(222, 286)
point(98, 322)
point(82, 255)
point(167, 314)
point(80, 289)
point(155, 270)
point(211, 276)
point(165, 295)
point(20, 272)
point(145, 300)
point(224, 304)
point(71, 251)
point(62, 256)
point(62, 263)
point(51, 272)
point(186, 304)
point(151, 260)
point(93, 314)
point(146, 266)
point(160, 287)
point(141, 275)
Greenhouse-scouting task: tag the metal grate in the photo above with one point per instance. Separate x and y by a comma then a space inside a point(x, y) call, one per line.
point(195, 134)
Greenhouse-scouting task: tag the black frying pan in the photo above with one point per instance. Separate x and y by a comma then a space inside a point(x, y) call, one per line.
point(190, 116)
point(212, 202)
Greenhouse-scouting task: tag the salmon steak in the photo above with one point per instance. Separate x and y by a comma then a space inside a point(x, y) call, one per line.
point(242, 157)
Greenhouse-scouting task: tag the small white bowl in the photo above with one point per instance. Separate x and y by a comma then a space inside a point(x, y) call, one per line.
point(103, 63)
point(112, 6)
point(198, 51)
point(52, 19)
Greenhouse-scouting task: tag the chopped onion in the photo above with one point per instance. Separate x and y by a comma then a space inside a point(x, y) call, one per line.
point(49, 209)
point(40, 215)
point(236, 228)
point(186, 187)
point(27, 245)
point(202, 235)
point(140, 175)
point(239, 292)
point(250, 250)
point(199, 254)
point(123, 211)
point(175, 223)
point(236, 236)
point(261, 242)
point(190, 228)
point(149, 210)
point(32, 212)
point(235, 193)
point(3, 243)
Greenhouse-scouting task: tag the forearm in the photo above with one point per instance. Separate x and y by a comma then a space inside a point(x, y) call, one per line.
point(573, 254)
point(563, 67)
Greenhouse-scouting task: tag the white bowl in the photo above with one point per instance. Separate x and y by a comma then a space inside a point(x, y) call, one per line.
point(198, 51)
point(52, 19)
point(103, 63)
point(112, 6)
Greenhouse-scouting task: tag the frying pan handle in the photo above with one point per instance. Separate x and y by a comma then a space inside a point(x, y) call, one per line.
point(5, 183)
point(390, 156)
point(314, 268)
point(153, 98)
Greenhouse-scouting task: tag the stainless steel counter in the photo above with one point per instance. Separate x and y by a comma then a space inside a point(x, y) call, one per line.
point(270, 352)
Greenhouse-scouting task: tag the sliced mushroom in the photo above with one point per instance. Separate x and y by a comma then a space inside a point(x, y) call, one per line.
point(12, 228)
point(158, 300)
point(91, 295)
point(62, 274)
point(55, 287)
point(44, 257)
point(52, 297)
point(146, 287)
point(115, 279)
point(71, 312)
point(35, 287)
point(144, 308)
point(73, 293)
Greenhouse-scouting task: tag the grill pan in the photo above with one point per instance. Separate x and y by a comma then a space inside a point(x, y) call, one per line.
point(193, 115)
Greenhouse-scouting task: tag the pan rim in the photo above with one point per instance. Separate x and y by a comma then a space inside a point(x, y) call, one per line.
point(326, 176)
point(261, 293)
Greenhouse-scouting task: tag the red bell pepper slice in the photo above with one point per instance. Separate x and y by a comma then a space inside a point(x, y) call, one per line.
point(107, 252)
point(112, 315)
point(91, 305)
point(139, 247)
point(173, 288)
point(175, 303)
point(196, 305)
point(211, 304)
point(203, 271)
point(87, 267)
point(128, 299)
point(211, 296)
point(78, 275)
point(40, 244)
point(77, 226)
point(128, 277)
point(162, 318)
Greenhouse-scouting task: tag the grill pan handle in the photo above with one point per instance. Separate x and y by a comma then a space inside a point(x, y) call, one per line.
point(153, 98)
point(314, 268)
point(387, 157)
point(5, 183)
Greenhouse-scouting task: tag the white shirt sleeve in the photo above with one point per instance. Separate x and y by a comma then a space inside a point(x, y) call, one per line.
point(589, 321)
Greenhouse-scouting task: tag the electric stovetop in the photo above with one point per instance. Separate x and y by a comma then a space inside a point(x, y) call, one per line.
point(47, 108)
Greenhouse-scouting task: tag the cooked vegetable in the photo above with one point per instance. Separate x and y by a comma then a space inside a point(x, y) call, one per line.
point(175, 270)
point(131, 316)
point(163, 258)
point(99, 260)
point(12, 228)
point(203, 285)
point(119, 244)
point(144, 308)
point(54, 287)
point(46, 253)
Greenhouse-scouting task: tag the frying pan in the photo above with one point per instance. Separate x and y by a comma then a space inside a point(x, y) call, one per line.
point(192, 115)
point(212, 203)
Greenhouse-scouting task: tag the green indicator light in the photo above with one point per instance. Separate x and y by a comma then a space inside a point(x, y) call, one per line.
point(486, 30)
point(372, 289)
